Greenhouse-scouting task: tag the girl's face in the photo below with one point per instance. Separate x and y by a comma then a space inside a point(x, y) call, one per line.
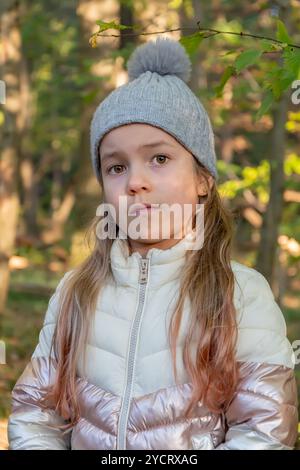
point(144, 164)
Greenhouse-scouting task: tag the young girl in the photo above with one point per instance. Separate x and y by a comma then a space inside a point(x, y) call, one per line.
point(149, 343)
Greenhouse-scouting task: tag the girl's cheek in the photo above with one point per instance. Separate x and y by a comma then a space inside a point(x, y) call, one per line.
point(111, 188)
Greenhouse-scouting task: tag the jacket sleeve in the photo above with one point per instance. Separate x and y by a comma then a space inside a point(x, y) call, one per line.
point(29, 425)
point(263, 412)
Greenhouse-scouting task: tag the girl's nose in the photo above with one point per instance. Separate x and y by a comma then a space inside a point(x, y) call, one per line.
point(137, 181)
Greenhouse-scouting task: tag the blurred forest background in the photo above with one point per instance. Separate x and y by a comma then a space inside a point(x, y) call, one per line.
point(48, 194)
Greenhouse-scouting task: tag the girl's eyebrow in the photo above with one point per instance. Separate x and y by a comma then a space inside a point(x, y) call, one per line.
point(115, 153)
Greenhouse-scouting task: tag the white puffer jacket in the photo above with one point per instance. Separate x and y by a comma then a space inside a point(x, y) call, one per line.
point(129, 399)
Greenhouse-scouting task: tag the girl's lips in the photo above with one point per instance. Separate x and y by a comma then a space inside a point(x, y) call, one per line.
point(137, 210)
point(144, 209)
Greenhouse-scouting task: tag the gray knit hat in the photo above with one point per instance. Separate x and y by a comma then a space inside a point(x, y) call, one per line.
point(157, 94)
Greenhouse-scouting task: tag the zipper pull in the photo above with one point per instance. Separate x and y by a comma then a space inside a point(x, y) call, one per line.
point(144, 268)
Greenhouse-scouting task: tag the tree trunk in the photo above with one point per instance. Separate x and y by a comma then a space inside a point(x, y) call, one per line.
point(28, 189)
point(269, 233)
point(268, 249)
point(9, 202)
point(127, 18)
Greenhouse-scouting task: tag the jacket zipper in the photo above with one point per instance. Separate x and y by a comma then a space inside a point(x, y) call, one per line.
point(134, 334)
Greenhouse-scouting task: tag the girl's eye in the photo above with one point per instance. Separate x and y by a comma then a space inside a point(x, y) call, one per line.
point(114, 166)
point(165, 158)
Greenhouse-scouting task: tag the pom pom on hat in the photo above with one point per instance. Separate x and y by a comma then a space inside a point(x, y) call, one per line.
point(164, 56)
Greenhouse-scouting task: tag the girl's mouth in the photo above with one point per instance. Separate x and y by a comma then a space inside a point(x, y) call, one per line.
point(145, 209)
point(142, 208)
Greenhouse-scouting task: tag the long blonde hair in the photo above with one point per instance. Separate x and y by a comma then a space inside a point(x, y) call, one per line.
point(206, 278)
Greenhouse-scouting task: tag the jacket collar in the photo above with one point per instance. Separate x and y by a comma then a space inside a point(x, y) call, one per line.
point(164, 265)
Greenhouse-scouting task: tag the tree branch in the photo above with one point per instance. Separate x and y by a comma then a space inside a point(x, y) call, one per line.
point(212, 32)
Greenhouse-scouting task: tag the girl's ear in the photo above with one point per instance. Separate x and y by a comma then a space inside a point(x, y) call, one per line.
point(202, 185)
point(210, 181)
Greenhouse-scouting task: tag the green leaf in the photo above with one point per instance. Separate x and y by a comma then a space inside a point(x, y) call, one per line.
point(246, 58)
point(111, 25)
point(286, 79)
point(192, 42)
point(269, 46)
point(292, 60)
point(265, 105)
point(274, 83)
point(282, 34)
point(229, 71)
point(278, 79)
